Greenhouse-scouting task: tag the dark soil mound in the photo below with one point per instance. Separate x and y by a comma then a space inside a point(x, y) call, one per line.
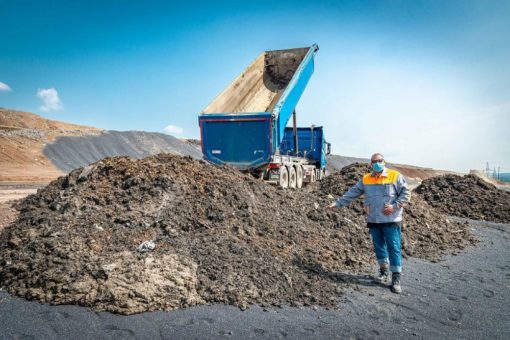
point(427, 233)
point(467, 196)
point(217, 236)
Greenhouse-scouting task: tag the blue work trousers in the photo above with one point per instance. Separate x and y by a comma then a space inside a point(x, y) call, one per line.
point(386, 239)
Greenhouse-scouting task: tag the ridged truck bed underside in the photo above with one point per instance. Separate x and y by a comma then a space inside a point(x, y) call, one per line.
point(261, 85)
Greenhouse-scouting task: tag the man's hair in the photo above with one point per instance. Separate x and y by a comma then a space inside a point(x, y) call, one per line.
point(376, 154)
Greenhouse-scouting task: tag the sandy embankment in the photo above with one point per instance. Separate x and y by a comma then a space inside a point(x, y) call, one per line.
point(23, 136)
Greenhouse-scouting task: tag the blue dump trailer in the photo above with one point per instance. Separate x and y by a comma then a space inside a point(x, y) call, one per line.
point(246, 125)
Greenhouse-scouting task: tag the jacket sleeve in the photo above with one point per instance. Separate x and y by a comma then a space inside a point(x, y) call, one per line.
point(354, 192)
point(403, 193)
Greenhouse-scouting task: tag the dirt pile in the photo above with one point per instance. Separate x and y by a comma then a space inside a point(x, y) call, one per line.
point(414, 174)
point(467, 196)
point(167, 232)
point(426, 232)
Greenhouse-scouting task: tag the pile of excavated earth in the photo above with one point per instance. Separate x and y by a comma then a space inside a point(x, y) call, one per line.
point(426, 232)
point(467, 196)
point(167, 232)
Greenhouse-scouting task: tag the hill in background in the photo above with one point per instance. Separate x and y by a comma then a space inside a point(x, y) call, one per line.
point(37, 150)
point(23, 136)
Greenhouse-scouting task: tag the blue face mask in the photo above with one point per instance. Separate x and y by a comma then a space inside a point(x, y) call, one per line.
point(378, 167)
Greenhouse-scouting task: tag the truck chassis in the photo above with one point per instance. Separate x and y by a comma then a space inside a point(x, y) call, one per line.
point(290, 171)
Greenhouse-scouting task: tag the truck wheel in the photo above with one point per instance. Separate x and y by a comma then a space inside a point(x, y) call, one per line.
point(299, 176)
point(292, 177)
point(284, 177)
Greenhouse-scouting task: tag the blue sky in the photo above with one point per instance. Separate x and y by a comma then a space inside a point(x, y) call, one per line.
point(424, 82)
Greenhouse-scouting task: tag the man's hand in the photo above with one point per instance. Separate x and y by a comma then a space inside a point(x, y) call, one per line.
point(331, 206)
point(388, 209)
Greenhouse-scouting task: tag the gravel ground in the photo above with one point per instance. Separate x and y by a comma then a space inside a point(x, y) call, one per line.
point(463, 297)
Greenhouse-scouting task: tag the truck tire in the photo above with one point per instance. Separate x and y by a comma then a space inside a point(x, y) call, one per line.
point(284, 177)
point(292, 177)
point(299, 176)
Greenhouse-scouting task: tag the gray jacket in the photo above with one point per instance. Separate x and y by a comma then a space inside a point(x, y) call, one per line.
point(390, 187)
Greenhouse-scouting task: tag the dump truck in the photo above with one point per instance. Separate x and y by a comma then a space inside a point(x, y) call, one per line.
point(245, 126)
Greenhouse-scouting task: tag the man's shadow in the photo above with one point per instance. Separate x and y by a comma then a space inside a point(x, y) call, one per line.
point(315, 268)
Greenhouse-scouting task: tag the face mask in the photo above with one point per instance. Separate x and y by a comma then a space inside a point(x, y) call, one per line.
point(377, 167)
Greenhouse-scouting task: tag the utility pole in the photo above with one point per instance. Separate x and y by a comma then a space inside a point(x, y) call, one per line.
point(498, 172)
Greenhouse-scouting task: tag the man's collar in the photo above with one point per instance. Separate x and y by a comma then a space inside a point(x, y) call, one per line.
point(384, 173)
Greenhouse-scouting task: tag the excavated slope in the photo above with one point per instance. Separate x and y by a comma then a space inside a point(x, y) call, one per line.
point(37, 150)
point(69, 153)
point(22, 139)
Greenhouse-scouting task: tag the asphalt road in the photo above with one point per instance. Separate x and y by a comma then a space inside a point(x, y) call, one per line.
point(466, 296)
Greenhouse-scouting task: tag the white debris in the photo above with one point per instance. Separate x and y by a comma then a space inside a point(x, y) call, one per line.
point(146, 246)
point(109, 267)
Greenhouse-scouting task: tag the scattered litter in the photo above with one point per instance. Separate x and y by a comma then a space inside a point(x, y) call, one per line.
point(146, 246)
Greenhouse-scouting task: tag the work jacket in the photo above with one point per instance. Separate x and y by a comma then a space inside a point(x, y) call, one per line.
point(390, 187)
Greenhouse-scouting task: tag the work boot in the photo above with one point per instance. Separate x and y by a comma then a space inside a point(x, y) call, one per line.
point(383, 276)
point(395, 283)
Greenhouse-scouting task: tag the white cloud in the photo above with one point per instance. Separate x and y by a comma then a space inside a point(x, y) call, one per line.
point(4, 87)
point(50, 99)
point(173, 129)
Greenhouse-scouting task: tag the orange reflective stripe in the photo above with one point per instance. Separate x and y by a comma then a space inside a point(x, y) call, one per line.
point(391, 178)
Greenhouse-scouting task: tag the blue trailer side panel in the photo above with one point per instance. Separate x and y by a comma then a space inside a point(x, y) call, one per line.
point(243, 141)
point(248, 140)
point(311, 144)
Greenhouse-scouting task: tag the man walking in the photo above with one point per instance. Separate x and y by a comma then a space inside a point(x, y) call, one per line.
point(386, 193)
